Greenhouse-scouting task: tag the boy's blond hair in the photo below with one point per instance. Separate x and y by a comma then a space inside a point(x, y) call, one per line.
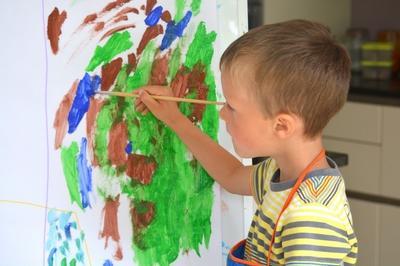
point(296, 67)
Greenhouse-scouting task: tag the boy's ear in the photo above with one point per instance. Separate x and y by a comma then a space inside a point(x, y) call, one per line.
point(284, 125)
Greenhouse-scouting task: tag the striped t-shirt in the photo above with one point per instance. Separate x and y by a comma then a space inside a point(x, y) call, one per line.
point(315, 229)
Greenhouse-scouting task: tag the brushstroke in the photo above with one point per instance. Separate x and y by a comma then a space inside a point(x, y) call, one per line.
point(118, 43)
point(195, 6)
point(94, 107)
point(159, 71)
point(113, 5)
point(196, 85)
point(179, 84)
point(89, 18)
point(60, 121)
point(54, 24)
point(166, 16)
point(154, 16)
point(118, 139)
point(180, 6)
point(50, 258)
point(174, 31)
point(142, 215)
point(85, 175)
point(86, 89)
point(149, 6)
point(109, 73)
point(132, 61)
point(149, 34)
point(116, 20)
point(108, 263)
point(70, 168)
point(99, 26)
point(140, 168)
point(116, 29)
point(143, 70)
point(129, 147)
point(110, 224)
point(127, 10)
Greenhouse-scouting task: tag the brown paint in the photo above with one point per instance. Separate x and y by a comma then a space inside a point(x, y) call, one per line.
point(115, 4)
point(121, 18)
point(127, 10)
point(110, 224)
point(113, 30)
point(180, 82)
point(142, 214)
point(140, 168)
point(99, 26)
point(61, 119)
point(159, 71)
point(118, 139)
point(131, 63)
point(149, 34)
point(54, 23)
point(94, 108)
point(166, 16)
point(109, 73)
point(149, 5)
point(90, 18)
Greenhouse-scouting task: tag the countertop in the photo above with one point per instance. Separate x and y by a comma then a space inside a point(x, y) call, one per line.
point(383, 92)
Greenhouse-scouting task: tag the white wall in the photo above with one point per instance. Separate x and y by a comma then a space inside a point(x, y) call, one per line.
point(334, 13)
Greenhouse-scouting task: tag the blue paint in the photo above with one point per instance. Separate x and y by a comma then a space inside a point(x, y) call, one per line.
point(67, 230)
point(50, 258)
point(108, 263)
point(154, 16)
point(128, 148)
point(86, 89)
point(174, 31)
point(85, 175)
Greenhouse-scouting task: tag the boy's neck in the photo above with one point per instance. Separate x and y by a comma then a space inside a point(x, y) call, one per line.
point(296, 158)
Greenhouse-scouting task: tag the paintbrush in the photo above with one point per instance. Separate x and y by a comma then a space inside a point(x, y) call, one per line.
point(159, 97)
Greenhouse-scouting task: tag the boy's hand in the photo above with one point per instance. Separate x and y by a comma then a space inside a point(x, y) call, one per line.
point(166, 111)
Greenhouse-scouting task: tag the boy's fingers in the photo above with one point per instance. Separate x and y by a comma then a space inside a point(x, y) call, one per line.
point(157, 90)
point(150, 103)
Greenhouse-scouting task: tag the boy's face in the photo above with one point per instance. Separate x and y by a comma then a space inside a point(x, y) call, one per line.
point(245, 122)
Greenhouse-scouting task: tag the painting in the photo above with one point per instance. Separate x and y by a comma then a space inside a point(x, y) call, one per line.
point(129, 191)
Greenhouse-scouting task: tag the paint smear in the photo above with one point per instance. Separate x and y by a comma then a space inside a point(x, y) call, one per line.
point(99, 26)
point(180, 6)
point(86, 89)
point(119, 19)
point(109, 73)
point(127, 10)
point(142, 215)
point(118, 43)
point(154, 16)
point(140, 168)
point(141, 76)
point(94, 108)
point(112, 5)
point(197, 86)
point(108, 263)
point(131, 63)
point(117, 143)
point(149, 34)
point(70, 168)
point(85, 175)
point(159, 71)
point(110, 225)
point(195, 6)
point(174, 31)
point(117, 29)
point(60, 121)
point(166, 16)
point(54, 24)
point(90, 18)
point(149, 5)
point(179, 84)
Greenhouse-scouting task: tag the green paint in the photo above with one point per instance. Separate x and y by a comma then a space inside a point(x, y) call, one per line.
point(142, 73)
point(64, 262)
point(104, 122)
point(72, 262)
point(180, 6)
point(195, 6)
point(118, 43)
point(68, 159)
point(177, 181)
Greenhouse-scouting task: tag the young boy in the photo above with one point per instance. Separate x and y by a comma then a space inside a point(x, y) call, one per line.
point(282, 84)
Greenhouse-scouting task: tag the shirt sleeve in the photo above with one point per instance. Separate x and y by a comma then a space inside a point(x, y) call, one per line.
point(314, 234)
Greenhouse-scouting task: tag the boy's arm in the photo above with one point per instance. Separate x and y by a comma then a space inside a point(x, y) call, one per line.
point(222, 166)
